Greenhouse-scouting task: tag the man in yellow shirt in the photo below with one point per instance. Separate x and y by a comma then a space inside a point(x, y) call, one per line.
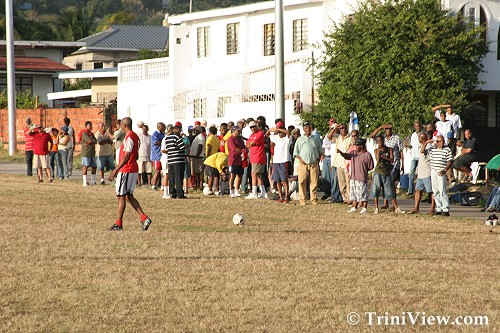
point(212, 144)
point(214, 166)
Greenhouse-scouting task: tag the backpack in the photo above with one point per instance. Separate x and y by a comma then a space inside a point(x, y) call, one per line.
point(471, 198)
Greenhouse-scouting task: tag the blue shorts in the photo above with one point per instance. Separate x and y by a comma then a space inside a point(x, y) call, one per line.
point(89, 162)
point(105, 163)
point(187, 170)
point(280, 172)
point(424, 184)
point(382, 185)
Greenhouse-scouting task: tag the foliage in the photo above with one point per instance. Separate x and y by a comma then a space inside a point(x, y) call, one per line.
point(121, 17)
point(151, 54)
point(78, 84)
point(393, 61)
point(24, 100)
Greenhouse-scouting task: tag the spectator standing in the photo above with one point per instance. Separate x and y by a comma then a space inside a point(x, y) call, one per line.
point(256, 143)
point(329, 172)
point(361, 163)
point(144, 161)
point(104, 150)
point(176, 151)
point(235, 146)
point(118, 137)
point(222, 141)
point(55, 157)
point(468, 155)
point(343, 142)
point(424, 181)
point(454, 118)
point(156, 138)
point(281, 159)
point(415, 152)
point(28, 147)
point(212, 144)
point(42, 142)
point(88, 154)
point(308, 150)
point(197, 155)
point(71, 144)
point(443, 126)
point(64, 142)
point(126, 173)
point(441, 161)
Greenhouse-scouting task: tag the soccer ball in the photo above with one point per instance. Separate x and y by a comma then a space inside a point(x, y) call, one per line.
point(238, 219)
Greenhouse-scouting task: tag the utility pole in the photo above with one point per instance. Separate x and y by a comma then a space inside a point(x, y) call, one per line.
point(279, 62)
point(11, 78)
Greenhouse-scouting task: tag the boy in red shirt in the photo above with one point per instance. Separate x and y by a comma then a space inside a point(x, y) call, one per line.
point(258, 160)
point(42, 142)
point(126, 174)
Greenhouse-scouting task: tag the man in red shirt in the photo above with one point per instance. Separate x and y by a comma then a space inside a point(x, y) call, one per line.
point(42, 142)
point(126, 174)
point(28, 147)
point(223, 131)
point(258, 160)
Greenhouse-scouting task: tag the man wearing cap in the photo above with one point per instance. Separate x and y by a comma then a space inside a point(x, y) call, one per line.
point(281, 159)
point(361, 163)
point(156, 138)
point(308, 150)
point(256, 143)
point(28, 147)
point(236, 149)
point(88, 154)
point(440, 162)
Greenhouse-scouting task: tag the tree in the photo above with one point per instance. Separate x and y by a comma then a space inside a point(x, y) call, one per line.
point(151, 54)
point(393, 60)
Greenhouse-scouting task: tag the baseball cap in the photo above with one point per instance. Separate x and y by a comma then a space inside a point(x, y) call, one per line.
point(306, 124)
point(170, 127)
point(178, 123)
point(359, 142)
point(295, 131)
point(234, 128)
point(449, 135)
point(197, 123)
point(280, 124)
point(332, 121)
point(65, 128)
point(252, 124)
point(140, 124)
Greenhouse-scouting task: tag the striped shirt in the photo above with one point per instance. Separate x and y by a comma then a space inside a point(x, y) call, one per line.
point(439, 158)
point(397, 146)
point(176, 149)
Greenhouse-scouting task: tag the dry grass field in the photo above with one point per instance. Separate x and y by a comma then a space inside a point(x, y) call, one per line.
point(287, 269)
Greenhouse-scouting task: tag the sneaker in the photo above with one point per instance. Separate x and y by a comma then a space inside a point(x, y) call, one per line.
point(363, 210)
point(251, 196)
point(217, 193)
point(352, 210)
point(488, 222)
point(51, 180)
point(102, 183)
point(146, 223)
point(285, 201)
point(263, 196)
point(279, 200)
point(375, 211)
point(92, 184)
point(446, 214)
point(85, 184)
point(60, 177)
point(237, 193)
point(116, 227)
point(437, 213)
point(273, 191)
point(232, 195)
point(399, 211)
point(166, 196)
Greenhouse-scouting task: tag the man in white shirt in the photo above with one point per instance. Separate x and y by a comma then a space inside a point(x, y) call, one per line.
point(280, 137)
point(197, 154)
point(456, 122)
point(415, 145)
point(329, 172)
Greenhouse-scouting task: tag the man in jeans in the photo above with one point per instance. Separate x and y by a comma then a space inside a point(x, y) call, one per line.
point(176, 151)
point(308, 150)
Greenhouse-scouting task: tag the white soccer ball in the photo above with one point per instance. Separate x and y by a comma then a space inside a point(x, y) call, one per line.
point(238, 219)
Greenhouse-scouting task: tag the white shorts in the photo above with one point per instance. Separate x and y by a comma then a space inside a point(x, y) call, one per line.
point(125, 183)
point(41, 161)
point(164, 167)
point(145, 166)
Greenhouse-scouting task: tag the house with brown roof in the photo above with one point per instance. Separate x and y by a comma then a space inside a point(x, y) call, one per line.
point(37, 64)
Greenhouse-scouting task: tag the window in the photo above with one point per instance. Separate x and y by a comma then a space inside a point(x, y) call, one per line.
point(221, 105)
point(476, 15)
point(98, 65)
point(78, 67)
point(199, 107)
point(22, 84)
point(299, 35)
point(232, 41)
point(269, 36)
point(203, 46)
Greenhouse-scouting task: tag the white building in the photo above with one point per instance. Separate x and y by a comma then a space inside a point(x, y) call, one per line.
point(221, 63)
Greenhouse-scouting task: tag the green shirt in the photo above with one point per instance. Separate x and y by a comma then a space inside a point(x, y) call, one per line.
point(88, 150)
point(308, 148)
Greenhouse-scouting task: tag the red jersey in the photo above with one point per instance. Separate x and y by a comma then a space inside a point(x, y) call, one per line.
point(41, 143)
point(222, 146)
point(257, 152)
point(130, 145)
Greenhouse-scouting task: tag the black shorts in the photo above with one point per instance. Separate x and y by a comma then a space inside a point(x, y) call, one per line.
point(211, 171)
point(236, 169)
point(464, 161)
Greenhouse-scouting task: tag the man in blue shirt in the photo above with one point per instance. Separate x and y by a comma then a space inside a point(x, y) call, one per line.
point(156, 138)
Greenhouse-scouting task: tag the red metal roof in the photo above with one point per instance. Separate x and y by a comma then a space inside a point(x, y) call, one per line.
point(35, 64)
